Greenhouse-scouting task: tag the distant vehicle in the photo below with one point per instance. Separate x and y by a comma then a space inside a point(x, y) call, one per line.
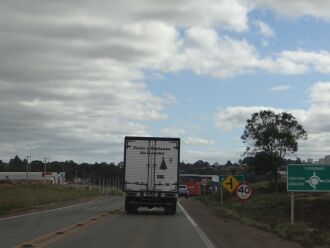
point(282, 172)
point(183, 191)
point(151, 173)
point(194, 188)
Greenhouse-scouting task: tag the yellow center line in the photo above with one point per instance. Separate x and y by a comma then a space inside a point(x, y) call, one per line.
point(52, 237)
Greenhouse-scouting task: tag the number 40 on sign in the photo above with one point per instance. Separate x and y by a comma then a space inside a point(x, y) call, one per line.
point(244, 191)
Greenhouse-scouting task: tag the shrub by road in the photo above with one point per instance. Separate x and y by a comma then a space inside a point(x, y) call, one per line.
point(18, 196)
point(272, 211)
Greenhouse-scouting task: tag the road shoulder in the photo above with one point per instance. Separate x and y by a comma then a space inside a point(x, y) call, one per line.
point(227, 232)
point(49, 206)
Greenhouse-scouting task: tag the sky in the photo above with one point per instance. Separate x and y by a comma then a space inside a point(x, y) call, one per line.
point(76, 77)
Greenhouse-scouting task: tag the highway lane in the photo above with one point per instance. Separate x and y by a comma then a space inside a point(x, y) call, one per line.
point(148, 228)
point(18, 229)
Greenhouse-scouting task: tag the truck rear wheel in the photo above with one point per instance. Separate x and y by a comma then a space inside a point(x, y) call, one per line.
point(171, 208)
point(130, 208)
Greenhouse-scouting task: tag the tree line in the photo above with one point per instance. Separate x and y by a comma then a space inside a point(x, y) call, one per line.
point(71, 168)
point(269, 137)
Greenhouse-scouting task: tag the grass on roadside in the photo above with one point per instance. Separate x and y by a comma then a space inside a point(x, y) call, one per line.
point(271, 211)
point(28, 196)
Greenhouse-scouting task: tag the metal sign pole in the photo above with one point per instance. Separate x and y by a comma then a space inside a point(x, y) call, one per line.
point(292, 208)
point(203, 192)
point(221, 193)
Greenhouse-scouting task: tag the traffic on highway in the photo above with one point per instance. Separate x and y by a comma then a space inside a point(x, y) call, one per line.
point(186, 123)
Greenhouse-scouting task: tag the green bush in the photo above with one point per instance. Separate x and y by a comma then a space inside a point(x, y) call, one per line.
point(27, 196)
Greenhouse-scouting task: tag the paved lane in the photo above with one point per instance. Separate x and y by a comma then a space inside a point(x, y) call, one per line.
point(148, 229)
point(16, 230)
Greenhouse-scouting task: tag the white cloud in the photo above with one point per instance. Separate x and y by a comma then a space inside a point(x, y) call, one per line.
point(264, 43)
point(264, 29)
point(170, 99)
point(280, 88)
point(320, 93)
point(233, 117)
point(72, 77)
point(298, 8)
point(318, 61)
point(198, 141)
point(172, 131)
point(204, 51)
point(182, 13)
point(211, 155)
point(315, 120)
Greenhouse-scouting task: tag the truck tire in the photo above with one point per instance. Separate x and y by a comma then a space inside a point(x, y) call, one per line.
point(131, 209)
point(134, 209)
point(127, 209)
point(128, 206)
point(171, 208)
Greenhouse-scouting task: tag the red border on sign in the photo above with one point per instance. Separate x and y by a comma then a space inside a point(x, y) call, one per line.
point(252, 191)
point(204, 181)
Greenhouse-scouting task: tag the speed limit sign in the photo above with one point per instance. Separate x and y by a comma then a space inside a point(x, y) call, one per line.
point(244, 191)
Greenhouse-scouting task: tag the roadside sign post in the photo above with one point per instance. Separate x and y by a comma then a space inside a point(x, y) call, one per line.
point(221, 195)
point(307, 178)
point(230, 183)
point(204, 183)
point(222, 178)
point(292, 208)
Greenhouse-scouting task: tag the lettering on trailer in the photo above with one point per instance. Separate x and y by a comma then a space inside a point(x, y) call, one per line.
point(230, 183)
point(152, 150)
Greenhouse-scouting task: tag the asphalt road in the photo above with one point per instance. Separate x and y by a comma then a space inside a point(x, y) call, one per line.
point(148, 228)
point(18, 229)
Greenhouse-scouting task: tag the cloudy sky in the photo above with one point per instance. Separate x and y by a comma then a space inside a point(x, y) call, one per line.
point(77, 76)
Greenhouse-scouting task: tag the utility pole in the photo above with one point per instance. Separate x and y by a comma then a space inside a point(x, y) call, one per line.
point(76, 179)
point(45, 162)
point(27, 167)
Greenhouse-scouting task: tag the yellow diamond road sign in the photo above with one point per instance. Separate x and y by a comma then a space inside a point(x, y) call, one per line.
point(230, 183)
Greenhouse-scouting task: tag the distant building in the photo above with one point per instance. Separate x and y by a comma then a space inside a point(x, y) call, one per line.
point(327, 159)
point(309, 161)
point(51, 177)
point(321, 161)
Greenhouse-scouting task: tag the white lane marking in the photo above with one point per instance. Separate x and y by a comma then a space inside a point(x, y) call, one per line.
point(47, 211)
point(201, 234)
point(89, 209)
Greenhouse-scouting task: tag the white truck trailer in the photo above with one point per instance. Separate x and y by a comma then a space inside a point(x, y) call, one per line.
point(151, 173)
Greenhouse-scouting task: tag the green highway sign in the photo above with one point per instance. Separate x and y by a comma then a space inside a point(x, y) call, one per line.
point(240, 178)
point(308, 178)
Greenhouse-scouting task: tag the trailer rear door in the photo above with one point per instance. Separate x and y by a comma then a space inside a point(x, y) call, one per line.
point(151, 164)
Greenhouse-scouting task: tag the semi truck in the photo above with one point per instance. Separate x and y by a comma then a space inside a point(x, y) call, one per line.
point(151, 173)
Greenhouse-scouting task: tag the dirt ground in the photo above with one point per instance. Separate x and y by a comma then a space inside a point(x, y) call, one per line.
point(226, 232)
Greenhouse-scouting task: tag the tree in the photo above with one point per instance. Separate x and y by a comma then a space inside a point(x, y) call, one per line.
point(16, 161)
point(274, 134)
point(229, 163)
point(260, 163)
